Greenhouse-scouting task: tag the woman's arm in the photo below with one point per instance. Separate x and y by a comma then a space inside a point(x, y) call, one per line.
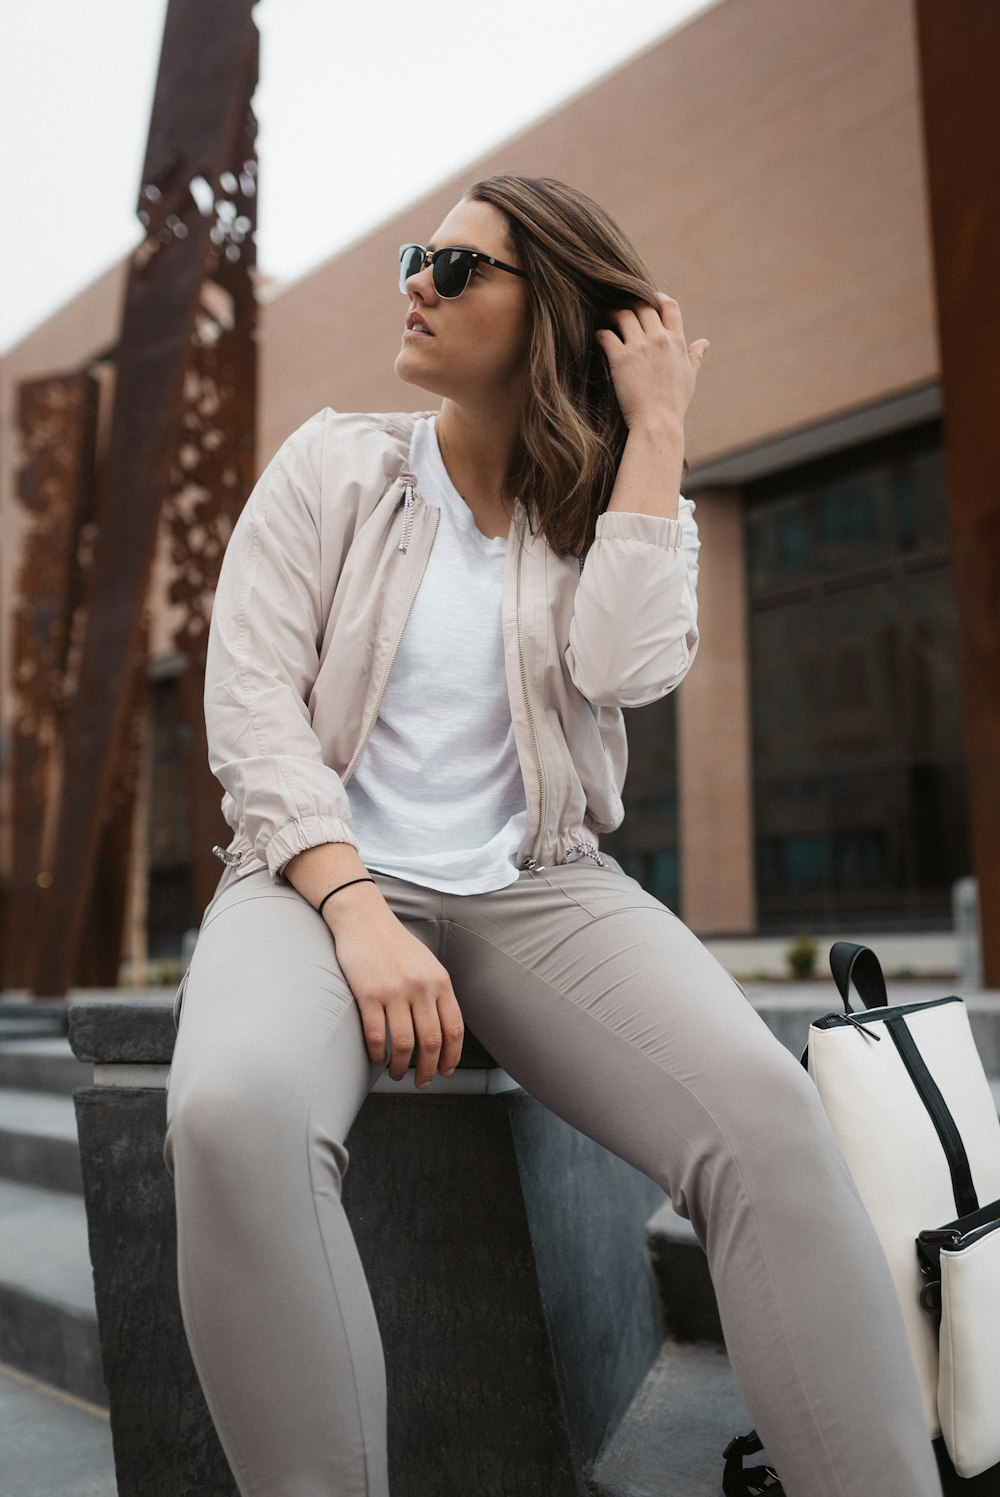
point(654, 374)
point(634, 631)
point(399, 986)
point(262, 661)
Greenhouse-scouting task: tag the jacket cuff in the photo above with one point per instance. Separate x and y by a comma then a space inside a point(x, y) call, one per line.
point(297, 836)
point(624, 525)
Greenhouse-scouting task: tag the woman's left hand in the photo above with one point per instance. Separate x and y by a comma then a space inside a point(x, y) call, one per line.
point(653, 369)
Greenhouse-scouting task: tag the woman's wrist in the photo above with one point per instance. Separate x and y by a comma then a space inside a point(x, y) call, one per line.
point(349, 905)
point(319, 869)
point(649, 474)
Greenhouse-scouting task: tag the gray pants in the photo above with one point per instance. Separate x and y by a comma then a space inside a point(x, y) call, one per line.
point(602, 1005)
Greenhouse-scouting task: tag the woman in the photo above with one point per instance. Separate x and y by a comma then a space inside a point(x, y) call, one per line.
point(423, 634)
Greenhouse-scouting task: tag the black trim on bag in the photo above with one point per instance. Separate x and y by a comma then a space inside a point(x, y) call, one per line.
point(877, 1015)
point(966, 1200)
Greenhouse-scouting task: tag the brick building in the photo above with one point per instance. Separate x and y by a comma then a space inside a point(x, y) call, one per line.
point(767, 159)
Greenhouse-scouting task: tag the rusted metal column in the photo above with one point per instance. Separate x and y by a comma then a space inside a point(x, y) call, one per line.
point(199, 127)
point(959, 49)
point(213, 472)
point(57, 418)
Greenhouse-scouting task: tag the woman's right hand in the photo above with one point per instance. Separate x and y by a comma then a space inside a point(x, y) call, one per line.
point(395, 980)
point(397, 983)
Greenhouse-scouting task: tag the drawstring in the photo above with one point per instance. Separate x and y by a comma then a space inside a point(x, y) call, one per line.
point(231, 859)
point(587, 850)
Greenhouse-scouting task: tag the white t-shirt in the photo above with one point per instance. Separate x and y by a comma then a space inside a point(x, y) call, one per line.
point(437, 796)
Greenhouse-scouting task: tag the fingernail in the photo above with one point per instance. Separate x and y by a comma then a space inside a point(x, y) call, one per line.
point(422, 1085)
point(449, 1072)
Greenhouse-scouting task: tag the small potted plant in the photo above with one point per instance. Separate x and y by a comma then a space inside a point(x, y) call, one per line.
point(801, 957)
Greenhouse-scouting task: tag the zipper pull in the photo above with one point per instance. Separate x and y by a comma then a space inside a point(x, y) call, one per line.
point(863, 1028)
point(946, 1236)
point(530, 866)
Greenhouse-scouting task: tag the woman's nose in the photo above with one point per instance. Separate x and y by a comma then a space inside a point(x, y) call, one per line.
point(421, 285)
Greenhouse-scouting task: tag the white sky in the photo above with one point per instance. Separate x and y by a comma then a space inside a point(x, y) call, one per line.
point(361, 107)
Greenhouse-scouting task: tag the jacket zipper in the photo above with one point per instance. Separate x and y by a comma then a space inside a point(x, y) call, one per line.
point(530, 863)
point(395, 647)
point(409, 483)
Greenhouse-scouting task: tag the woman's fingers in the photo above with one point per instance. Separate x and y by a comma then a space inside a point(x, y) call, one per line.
point(452, 1030)
point(440, 1031)
point(399, 987)
point(652, 368)
point(400, 1019)
point(373, 1022)
point(430, 1024)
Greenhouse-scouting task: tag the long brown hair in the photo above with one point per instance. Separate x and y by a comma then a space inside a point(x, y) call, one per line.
point(580, 268)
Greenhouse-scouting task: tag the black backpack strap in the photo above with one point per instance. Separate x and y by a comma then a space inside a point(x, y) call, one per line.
point(860, 965)
point(757, 1480)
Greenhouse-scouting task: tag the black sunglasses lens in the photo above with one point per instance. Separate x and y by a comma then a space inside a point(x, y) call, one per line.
point(411, 257)
point(452, 269)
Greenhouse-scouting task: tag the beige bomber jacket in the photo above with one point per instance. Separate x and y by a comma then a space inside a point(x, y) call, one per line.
point(315, 590)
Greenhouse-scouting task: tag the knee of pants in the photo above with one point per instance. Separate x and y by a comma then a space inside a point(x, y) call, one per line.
point(771, 1137)
point(236, 1138)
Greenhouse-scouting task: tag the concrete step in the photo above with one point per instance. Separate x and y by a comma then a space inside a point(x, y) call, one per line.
point(684, 1285)
point(38, 1140)
point(54, 1445)
point(42, 1065)
point(671, 1439)
point(22, 1018)
point(48, 1318)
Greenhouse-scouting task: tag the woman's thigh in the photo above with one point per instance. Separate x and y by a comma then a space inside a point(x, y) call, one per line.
point(270, 1040)
point(604, 1006)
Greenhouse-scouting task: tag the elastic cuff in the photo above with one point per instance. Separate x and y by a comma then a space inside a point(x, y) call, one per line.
point(298, 836)
point(654, 530)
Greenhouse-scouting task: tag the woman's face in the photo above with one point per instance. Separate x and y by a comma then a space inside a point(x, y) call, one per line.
point(473, 347)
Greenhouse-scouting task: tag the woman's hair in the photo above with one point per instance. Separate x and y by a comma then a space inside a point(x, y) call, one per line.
point(580, 268)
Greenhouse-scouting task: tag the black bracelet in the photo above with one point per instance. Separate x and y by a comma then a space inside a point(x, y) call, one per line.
point(319, 907)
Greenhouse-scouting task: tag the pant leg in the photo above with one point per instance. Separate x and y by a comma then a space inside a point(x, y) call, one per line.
point(269, 1071)
point(608, 1010)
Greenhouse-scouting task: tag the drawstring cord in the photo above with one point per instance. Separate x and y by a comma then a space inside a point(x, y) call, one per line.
point(587, 850)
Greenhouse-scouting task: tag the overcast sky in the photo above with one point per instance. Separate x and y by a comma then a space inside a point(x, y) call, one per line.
point(361, 108)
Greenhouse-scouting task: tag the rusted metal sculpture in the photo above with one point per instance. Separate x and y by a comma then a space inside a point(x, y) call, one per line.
point(212, 472)
point(57, 418)
point(959, 49)
point(189, 287)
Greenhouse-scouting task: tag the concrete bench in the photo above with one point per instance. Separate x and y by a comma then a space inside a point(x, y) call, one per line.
point(506, 1255)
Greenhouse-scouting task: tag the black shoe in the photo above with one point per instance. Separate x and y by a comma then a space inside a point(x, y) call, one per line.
point(757, 1479)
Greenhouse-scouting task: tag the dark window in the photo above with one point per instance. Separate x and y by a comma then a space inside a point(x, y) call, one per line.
point(646, 843)
point(859, 783)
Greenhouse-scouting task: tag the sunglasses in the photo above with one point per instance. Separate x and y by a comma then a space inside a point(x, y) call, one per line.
point(451, 266)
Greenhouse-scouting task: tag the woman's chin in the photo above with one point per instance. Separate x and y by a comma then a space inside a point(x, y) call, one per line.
point(408, 370)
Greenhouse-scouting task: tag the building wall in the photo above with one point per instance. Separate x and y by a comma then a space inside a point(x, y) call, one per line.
point(766, 159)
